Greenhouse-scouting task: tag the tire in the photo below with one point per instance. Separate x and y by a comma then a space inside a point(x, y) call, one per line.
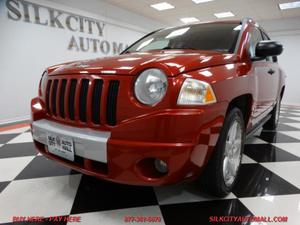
point(214, 179)
point(273, 122)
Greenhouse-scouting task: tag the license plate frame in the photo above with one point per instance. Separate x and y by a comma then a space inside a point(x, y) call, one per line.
point(61, 146)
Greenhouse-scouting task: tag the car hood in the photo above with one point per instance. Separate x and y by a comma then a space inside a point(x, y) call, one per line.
point(172, 62)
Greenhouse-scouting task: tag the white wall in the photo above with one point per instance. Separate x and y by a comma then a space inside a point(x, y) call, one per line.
point(287, 31)
point(119, 15)
point(28, 48)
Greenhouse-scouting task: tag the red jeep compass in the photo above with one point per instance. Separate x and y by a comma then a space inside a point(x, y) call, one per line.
point(175, 105)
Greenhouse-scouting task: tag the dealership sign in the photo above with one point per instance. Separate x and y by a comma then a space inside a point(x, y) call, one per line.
point(29, 12)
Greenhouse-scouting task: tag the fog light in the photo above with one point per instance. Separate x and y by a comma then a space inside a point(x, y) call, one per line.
point(161, 166)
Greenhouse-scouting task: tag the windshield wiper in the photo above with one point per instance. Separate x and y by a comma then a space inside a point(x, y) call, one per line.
point(126, 52)
point(188, 48)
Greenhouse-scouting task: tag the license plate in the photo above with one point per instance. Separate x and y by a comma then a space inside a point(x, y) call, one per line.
point(61, 146)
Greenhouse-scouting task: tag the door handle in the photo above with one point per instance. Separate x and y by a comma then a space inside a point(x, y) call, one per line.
point(271, 71)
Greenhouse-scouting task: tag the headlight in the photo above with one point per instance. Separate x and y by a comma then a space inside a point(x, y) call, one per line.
point(43, 83)
point(151, 86)
point(196, 92)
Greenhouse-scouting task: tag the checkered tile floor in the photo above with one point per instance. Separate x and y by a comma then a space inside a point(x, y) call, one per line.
point(268, 185)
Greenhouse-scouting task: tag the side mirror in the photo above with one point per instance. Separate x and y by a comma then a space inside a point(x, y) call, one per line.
point(268, 48)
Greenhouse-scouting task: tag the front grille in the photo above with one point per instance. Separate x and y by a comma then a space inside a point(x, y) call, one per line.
point(48, 95)
point(96, 101)
point(112, 102)
point(62, 98)
point(83, 100)
point(72, 99)
point(53, 97)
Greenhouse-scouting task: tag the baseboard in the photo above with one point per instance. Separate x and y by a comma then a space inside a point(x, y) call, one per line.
point(14, 120)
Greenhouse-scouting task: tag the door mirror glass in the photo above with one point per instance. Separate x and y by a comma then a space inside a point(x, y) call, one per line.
point(268, 48)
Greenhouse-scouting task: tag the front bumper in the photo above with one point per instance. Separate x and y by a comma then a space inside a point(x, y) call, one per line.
point(88, 143)
point(184, 139)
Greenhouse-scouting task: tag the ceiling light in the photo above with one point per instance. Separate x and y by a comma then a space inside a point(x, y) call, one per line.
point(162, 6)
point(224, 14)
point(201, 1)
point(189, 19)
point(289, 5)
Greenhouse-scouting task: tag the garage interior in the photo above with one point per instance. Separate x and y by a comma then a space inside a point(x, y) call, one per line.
point(31, 185)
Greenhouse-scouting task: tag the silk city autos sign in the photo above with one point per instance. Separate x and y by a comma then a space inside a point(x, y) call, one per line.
point(19, 10)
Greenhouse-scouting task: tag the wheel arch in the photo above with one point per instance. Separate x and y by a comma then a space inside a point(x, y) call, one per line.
point(244, 103)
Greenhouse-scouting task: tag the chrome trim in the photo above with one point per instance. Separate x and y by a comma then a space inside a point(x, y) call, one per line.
point(88, 143)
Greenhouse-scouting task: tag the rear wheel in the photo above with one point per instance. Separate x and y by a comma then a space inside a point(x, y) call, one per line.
point(221, 172)
point(273, 122)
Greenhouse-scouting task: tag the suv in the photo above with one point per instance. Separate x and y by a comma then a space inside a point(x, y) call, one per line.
point(175, 105)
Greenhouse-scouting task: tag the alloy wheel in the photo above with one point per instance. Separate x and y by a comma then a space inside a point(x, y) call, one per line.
point(232, 153)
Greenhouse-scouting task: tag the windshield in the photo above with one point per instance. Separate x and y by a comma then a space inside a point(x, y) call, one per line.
point(220, 37)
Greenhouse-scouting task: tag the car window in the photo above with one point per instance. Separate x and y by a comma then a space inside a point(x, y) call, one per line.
point(214, 36)
point(159, 44)
point(255, 37)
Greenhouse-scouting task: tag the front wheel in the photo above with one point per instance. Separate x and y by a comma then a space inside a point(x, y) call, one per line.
point(221, 172)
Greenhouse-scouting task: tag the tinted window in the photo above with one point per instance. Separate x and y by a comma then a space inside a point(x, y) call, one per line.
point(216, 37)
point(265, 36)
